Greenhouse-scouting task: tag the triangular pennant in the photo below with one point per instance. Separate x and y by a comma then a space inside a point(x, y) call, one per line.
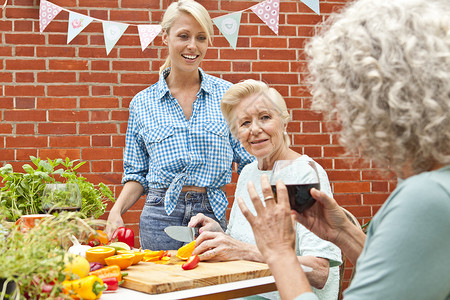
point(269, 12)
point(313, 4)
point(77, 22)
point(112, 31)
point(47, 12)
point(229, 26)
point(147, 34)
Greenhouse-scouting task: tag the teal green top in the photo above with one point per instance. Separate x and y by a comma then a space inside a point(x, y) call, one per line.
point(407, 250)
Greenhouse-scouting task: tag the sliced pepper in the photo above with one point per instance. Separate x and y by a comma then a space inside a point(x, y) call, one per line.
point(108, 272)
point(185, 251)
point(88, 288)
point(191, 263)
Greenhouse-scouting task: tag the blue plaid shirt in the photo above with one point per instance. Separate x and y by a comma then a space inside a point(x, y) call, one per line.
point(165, 150)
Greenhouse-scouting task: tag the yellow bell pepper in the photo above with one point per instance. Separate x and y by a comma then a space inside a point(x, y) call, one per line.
point(87, 288)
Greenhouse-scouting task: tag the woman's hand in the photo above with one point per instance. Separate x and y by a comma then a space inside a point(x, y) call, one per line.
point(218, 246)
point(325, 218)
point(273, 226)
point(204, 223)
point(275, 236)
point(114, 221)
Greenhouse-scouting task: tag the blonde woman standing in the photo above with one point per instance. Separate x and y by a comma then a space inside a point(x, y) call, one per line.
point(179, 150)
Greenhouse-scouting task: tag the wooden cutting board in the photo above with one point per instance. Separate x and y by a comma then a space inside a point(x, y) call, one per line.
point(153, 278)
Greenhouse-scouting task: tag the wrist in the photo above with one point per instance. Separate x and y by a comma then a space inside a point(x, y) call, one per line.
point(274, 257)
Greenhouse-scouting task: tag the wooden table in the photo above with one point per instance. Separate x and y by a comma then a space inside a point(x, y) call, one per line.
point(210, 280)
point(216, 292)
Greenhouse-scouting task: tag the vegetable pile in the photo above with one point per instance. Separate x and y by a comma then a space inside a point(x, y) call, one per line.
point(35, 260)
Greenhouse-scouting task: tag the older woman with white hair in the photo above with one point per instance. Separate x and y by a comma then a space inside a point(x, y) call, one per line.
point(382, 70)
point(257, 115)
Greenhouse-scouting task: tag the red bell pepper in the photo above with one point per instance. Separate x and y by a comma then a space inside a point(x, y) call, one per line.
point(112, 283)
point(125, 235)
point(191, 263)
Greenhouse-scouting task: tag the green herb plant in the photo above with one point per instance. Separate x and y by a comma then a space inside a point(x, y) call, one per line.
point(22, 192)
point(34, 259)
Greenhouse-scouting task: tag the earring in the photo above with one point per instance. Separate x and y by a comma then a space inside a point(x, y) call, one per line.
point(285, 133)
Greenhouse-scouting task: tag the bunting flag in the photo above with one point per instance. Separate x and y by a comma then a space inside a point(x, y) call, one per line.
point(77, 22)
point(112, 31)
point(229, 26)
point(147, 34)
point(313, 4)
point(47, 12)
point(269, 12)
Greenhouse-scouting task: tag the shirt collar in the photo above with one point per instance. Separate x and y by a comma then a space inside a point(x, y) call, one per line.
point(162, 89)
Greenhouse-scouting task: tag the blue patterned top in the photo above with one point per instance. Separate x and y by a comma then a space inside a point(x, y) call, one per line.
point(166, 150)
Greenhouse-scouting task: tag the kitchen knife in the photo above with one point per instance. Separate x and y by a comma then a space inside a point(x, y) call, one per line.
point(182, 233)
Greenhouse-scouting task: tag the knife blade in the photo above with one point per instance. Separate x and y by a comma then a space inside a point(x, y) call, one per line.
point(182, 233)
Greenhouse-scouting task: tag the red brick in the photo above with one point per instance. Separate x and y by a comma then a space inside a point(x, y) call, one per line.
point(25, 115)
point(24, 154)
point(98, 116)
point(277, 54)
point(130, 65)
point(99, 102)
point(25, 129)
point(6, 155)
point(52, 103)
point(26, 141)
point(119, 115)
point(97, 128)
point(52, 77)
point(25, 64)
point(98, 77)
point(352, 187)
point(25, 77)
point(59, 153)
point(68, 90)
point(101, 140)
point(5, 128)
point(25, 103)
point(102, 153)
point(24, 39)
point(62, 51)
point(57, 128)
point(100, 90)
point(101, 166)
point(273, 66)
point(68, 64)
point(24, 51)
point(100, 65)
point(69, 141)
point(68, 116)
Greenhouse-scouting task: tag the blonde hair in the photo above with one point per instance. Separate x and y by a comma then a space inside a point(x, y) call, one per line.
point(381, 68)
point(246, 88)
point(192, 8)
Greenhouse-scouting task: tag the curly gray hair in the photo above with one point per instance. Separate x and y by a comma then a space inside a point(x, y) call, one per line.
point(381, 68)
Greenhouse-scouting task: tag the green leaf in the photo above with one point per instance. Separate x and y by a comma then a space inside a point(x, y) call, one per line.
point(27, 168)
point(79, 165)
point(6, 169)
point(45, 166)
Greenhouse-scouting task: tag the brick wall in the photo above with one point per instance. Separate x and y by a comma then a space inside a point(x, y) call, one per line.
point(59, 100)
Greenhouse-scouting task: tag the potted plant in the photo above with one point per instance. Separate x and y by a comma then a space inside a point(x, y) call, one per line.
point(22, 192)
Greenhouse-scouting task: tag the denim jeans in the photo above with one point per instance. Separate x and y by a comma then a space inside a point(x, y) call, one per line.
point(154, 218)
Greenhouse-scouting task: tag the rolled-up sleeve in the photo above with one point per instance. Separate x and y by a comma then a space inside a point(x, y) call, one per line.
point(240, 155)
point(135, 158)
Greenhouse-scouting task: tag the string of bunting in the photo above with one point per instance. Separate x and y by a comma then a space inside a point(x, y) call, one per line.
point(268, 11)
